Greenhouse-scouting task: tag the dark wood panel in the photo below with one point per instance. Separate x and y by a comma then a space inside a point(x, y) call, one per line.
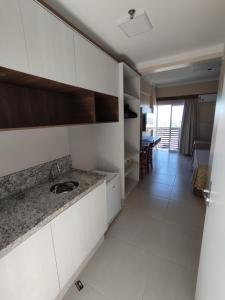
point(31, 101)
point(106, 108)
point(26, 107)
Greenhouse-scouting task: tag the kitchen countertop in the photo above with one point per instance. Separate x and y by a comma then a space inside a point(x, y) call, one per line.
point(109, 175)
point(25, 213)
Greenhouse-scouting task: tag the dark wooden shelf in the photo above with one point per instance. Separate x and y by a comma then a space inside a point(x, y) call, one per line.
point(31, 101)
point(106, 108)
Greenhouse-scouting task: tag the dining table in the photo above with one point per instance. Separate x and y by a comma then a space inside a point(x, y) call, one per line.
point(151, 140)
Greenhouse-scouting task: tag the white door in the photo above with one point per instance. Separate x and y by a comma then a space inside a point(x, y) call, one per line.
point(12, 46)
point(50, 44)
point(211, 275)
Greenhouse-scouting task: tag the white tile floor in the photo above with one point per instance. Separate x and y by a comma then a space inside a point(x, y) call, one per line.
point(151, 251)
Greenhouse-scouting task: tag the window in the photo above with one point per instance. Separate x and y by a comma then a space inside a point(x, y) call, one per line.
point(169, 119)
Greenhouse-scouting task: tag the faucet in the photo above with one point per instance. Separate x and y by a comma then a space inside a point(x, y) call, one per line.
point(55, 168)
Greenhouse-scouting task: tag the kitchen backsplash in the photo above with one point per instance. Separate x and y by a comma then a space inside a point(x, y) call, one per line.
point(22, 180)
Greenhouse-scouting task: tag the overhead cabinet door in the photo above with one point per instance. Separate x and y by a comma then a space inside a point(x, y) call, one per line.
point(95, 69)
point(12, 46)
point(111, 75)
point(50, 44)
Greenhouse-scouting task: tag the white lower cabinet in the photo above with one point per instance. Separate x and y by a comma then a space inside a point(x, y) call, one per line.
point(29, 271)
point(66, 232)
point(77, 231)
point(113, 198)
point(40, 267)
point(113, 194)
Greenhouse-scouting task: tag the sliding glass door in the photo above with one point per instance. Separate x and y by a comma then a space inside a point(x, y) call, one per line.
point(169, 119)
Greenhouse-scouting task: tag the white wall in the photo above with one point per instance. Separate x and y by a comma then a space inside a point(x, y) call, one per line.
point(83, 146)
point(199, 88)
point(21, 149)
point(110, 156)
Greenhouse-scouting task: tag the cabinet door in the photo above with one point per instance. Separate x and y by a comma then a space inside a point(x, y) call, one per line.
point(66, 231)
point(76, 232)
point(94, 222)
point(95, 69)
point(50, 44)
point(113, 199)
point(112, 76)
point(12, 47)
point(29, 271)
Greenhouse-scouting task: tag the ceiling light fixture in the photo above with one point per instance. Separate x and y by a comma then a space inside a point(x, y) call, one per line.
point(135, 23)
point(131, 12)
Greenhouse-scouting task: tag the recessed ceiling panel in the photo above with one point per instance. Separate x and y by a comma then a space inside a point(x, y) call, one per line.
point(197, 72)
point(139, 24)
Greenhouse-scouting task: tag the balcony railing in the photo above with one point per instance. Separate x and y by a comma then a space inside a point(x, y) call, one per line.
point(170, 138)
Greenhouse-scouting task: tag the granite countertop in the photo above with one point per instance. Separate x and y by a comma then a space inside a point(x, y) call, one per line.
point(108, 175)
point(25, 213)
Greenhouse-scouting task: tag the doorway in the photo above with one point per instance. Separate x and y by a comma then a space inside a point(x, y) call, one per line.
point(168, 125)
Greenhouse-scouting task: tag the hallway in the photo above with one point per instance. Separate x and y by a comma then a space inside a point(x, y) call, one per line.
point(151, 251)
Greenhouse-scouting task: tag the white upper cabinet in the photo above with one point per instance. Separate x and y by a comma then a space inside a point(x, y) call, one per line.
point(29, 271)
point(95, 69)
point(12, 46)
point(50, 44)
point(112, 75)
point(35, 41)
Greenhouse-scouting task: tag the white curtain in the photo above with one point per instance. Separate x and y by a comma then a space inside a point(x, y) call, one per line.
point(189, 126)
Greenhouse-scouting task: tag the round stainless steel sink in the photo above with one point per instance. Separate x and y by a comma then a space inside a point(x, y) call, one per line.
point(64, 187)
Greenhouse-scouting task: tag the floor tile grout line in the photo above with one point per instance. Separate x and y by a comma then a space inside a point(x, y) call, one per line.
point(111, 235)
point(181, 266)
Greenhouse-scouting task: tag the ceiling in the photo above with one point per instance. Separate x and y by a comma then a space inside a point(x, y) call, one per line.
point(196, 72)
point(178, 25)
